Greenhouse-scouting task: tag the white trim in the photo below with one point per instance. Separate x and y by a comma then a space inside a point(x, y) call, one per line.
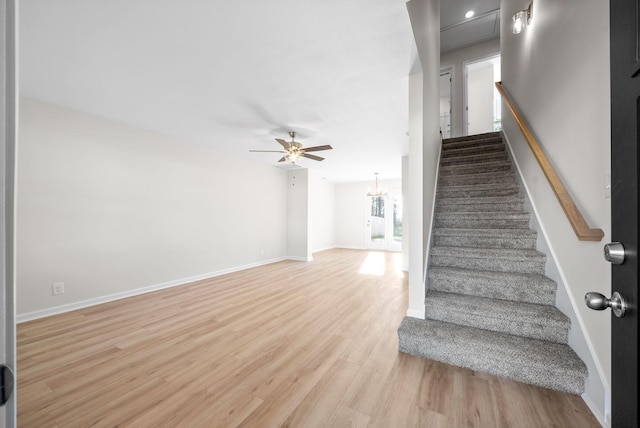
point(414, 313)
point(596, 411)
point(318, 250)
point(300, 259)
point(351, 247)
point(433, 211)
point(574, 306)
point(135, 292)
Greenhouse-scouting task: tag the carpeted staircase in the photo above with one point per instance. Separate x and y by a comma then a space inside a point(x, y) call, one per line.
point(489, 306)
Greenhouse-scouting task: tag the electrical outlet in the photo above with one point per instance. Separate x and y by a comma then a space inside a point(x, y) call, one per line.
point(57, 288)
point(262, 252)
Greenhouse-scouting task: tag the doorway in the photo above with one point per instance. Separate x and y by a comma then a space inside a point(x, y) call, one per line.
point(384, 222)
point(445, 101)
point(482, 110)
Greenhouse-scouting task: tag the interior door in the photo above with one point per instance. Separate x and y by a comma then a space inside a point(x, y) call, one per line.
point(7, 145)
point(625, 115)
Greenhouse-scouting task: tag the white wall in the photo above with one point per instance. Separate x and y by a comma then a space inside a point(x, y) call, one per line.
point(107, 209)
point(351, 204)
point(557, 71)
point(423, 153)
point(456, 60)
point(322, 213)
point(297, 219)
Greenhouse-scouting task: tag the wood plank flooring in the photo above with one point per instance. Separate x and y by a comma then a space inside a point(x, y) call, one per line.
point(292, 344)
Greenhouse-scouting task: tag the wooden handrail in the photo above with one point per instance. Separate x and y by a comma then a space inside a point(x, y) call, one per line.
point(580, 227)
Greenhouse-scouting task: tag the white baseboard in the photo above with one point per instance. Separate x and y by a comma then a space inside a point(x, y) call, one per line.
point(597, 411)
point(415, 313)
point(135, 292)
point(300, 259)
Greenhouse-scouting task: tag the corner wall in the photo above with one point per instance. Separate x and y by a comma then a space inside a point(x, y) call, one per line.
point(109, 209)
point(423, 151)
point(557, 71)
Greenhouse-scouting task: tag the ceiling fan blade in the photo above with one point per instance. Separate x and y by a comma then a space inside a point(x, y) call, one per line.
point(283, 143)
point(282, 159)
point(268, 151)
point(314, 157)
point(317, 148)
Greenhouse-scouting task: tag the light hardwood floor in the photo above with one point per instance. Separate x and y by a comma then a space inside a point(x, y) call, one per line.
point(290, 344)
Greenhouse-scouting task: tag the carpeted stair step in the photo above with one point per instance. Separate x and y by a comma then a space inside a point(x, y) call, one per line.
point(482, 220)
point(488, 146)
point(500, 177)
point(494, 259)
point(493, 166)
point(510, 203)
point(484, 238)
point(542, 322)
point(537, 362)
point(474, 158)
point(514, 286)
point(472, 138)
point(478, 191)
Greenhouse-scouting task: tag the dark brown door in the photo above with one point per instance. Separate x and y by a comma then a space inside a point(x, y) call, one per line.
point(625, 117)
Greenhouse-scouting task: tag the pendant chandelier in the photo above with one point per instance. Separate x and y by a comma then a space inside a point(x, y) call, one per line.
point(378, 191)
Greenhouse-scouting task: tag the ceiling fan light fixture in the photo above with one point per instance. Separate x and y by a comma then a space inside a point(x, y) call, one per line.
point(293, 156)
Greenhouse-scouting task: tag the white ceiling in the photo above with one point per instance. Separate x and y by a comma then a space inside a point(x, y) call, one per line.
point(236, 75)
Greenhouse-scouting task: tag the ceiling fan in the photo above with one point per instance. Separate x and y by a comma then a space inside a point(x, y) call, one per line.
point(294, 150)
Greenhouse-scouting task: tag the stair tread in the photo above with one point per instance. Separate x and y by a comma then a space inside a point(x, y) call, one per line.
point(480, 200)
point(481, 215)
point(490, 253)
point(454, 167)
point(482, 186)
point(505, 277)
point(500, 308)
point(506, 233)
point(483, 136)
point(492, 146)
point(473, 158)
point(534, 361)
point(537, 321)
point(516, 286)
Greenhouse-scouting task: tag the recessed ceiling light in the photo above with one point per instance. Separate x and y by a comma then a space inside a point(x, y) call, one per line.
point(469, 14)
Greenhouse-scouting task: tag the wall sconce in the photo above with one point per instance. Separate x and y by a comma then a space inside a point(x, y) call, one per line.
point(521, 19)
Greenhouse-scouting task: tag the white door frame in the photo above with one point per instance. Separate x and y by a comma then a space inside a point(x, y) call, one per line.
point(449, 70)
point(8, 115)
point(465, 93)
point(388, 244)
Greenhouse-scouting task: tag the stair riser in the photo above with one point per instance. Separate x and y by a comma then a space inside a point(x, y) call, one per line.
point(498, 265)
point(493, 360)
point(474, 159)
point(512, 291)
point(496, 207)
point(484, 242)
point(475, 168)
point(492, 147)
point(490, 136)
point(477, 193)
point(470, 223)
point(475, 317)
point(472, 179)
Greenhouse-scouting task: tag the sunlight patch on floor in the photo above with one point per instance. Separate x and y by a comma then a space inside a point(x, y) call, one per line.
point(397, 265)
point(376, 264)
